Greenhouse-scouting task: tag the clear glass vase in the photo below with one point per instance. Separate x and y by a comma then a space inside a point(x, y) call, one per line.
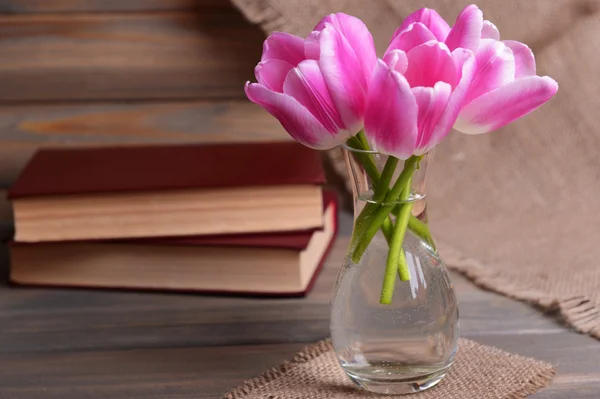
point(408, 344)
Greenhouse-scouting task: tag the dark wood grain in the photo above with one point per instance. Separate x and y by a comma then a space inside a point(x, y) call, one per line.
point(25, 128)
point(208, 372)
point(191, 372)
point(160, 55)
point(54, 6)
point(82, 343)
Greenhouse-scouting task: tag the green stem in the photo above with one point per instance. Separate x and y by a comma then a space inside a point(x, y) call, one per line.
point(416, 226)
point(421, 230)
point(382, 186)
point(398, 239)
point(381, 190)
point(403, 272)
point(387, 227)
point(383, 210)
point(396, 261)
point(381, 183)
point(363, 140)
point(364, 158)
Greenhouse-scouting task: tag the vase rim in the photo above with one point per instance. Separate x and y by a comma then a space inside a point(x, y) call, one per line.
point(360, 151)
point(352, 149)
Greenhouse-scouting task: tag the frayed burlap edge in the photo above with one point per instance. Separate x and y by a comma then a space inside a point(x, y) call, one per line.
point(540, 380)
point(307, 354)
point(579, 311)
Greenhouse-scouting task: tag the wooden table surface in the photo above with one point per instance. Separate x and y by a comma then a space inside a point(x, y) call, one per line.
point(64, 344)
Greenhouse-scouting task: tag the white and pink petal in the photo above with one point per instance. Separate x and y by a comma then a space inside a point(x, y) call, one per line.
point(283, 46)
point(360, 39)
point(272, 73)
point(312, 49)
point(466, 32)
point(489, 31)
point(306, 84)
point(429, 63)
point(524, 58)
point(432, 102)
point(391, 113)
point(345, 76)
point(414, 35)
point(495, 66)
point(431, 19)
point(464, 61)
point(293, 116)
point(396, 60)
point(505, 104)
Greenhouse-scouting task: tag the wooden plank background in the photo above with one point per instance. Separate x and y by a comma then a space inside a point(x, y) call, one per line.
point(105, 72)
point(41, 6)
point(133, 56)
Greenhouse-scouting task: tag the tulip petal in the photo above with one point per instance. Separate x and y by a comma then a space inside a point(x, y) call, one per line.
point(312, 49)
point(283, 46)
point(413, 36)
point(495, 66)
point(466, 32)
point(347, 72)
point(294, 118)
point(396, 60)
point(489, 31)
point(271, 73)
point(465, 65)
point(505, 104)
point(358, 36)
point(391, 113)
point(432, 102)
point(431, 19)
point(524, 58)
point(305, 83)
point(328, 19)
point(430, 63)
point(360, 40)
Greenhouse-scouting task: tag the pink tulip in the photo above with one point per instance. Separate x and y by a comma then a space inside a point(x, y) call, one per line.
point(432, 21)
point(417, 90)
point(465, 33)
point(316, 87)
point(505, 86)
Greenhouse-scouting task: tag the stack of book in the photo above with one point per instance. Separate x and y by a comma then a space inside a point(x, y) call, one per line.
point(251, 218)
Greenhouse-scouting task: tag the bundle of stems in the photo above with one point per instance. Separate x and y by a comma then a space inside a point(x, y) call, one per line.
point(387, 201)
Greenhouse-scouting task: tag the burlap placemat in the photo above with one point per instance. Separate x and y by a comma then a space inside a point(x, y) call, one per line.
point(517, 210)
point(479, 372)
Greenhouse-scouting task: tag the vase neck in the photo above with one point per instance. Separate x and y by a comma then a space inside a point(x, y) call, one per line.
point(365, 180)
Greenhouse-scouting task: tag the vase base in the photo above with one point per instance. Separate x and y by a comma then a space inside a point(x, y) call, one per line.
point(398, 385)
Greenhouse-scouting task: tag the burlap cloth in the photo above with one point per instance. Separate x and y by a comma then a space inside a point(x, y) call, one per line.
point(479, 372)
point(517, 210)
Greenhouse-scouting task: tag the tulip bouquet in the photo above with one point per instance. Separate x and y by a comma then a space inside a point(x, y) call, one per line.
point(330, 89)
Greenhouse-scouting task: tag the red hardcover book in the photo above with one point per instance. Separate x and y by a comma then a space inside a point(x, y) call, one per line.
point(175, 190)
point(76, 171)
point(276, 264)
